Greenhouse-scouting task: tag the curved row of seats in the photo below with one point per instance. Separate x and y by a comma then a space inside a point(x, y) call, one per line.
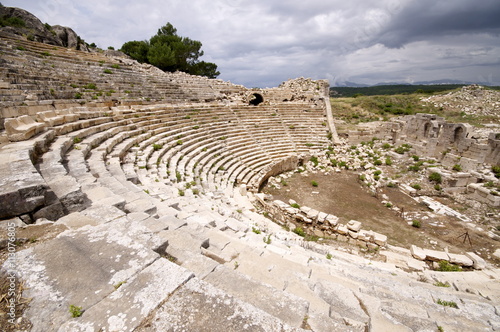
point(158, 181)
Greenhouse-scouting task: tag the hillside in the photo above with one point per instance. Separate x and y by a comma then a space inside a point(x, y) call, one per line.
point(343, 92)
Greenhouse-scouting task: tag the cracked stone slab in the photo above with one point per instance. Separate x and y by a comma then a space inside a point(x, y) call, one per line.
point(199, 306)
point(287, 307)
point(132, 301)
point(79, 267)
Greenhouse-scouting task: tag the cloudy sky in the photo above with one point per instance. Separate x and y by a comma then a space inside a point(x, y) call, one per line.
point(260, 43)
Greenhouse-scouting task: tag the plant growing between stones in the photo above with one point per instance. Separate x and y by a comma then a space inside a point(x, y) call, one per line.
point(299, 231)
point(267, 239)
point(416, 223)
point(256, 230)
point(457, 168)
point(75, 311)
point(314, 183)
point(450, 304)
point(295, 205)
point(441, 284)
point(435, 177)
point(445, 266)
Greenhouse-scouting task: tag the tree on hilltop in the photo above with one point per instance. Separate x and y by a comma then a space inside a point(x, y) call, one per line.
point(171, 52)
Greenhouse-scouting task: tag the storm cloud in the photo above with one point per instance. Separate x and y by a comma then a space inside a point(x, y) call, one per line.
point(262, 43)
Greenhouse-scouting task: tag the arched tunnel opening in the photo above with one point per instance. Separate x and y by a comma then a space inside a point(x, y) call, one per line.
point(256, 99)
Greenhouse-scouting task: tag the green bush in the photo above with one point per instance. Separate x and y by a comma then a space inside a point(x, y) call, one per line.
point(445, 266)
point(299, 231)
point(295, 205)
point(90, 86)
point(388, 161)
point(12, 22)
point(416, 223)
point(435, 177)
point(314, 160)
point(415, 157)
point(107, 71)
point(416, 186)
point(314, 183)
point(377, 162)
point(157, 147)
point(391, 185)
point(457, 167)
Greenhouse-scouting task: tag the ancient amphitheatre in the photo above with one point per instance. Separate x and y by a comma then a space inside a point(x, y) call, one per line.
point(137, 200)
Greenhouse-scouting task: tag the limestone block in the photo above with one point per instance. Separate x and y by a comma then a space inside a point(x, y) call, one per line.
point(352, 234)
point(417, 252)
point(305, 209)
point(361, 243)
point(380, 239)
point(479, 263)
point(332, 220)
point(342, 229)
point(436, 255)
point(312, 214)
point(365, 235)
point(354, 225)
point(461, 260)
point(322, 217)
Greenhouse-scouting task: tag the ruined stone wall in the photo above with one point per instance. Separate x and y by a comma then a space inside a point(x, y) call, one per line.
point(433, 136)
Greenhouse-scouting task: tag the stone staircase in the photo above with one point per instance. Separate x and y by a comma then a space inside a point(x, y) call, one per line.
point(156, 198)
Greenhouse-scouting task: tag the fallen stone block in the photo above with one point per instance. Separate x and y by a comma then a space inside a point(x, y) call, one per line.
point(379, 239)
point(479, 263)
point(417, 252)
point(354, 225)
point(435, 255)
point(461, 260)
point(342, 229)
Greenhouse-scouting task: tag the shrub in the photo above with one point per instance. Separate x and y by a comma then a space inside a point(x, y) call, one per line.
point(299, 231)
point(75, 311)
point(295, 205)
point(496, 169)
point(386, 146)
point(416, 223)
point(416, 186)
point(267, 239)
point(415, 157)
point(178, 176)
point(78, 95)
point(391, 185)
point(107, 71)
point(314, 160)
point(388, 204)
point(377, 162)
point(90, 86)
point(388, 161)
point(76, 140)
point(157, 147)
point(377, 172)
point(115, 66)
point(437, 187)
point(181, 192)
point(435, 177)
point(179, 142)
point(445, 266)
point(314, 183)
point(457, 167)
point(256, 230)
point(328, 256)
point(442, 284)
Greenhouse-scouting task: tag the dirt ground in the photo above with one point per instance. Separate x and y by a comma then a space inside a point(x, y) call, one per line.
point(342, 195)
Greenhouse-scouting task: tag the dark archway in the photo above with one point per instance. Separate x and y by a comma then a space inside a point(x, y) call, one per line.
point(426, 129)
point(256, 99)
point(459, 131)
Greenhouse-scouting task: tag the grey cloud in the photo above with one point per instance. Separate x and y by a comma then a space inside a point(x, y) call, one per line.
point(427, 19)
